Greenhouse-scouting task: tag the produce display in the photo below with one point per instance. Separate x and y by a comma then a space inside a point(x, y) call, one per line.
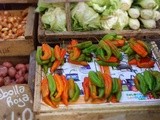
point(12, 24)
point(101, 15)
point(13, 74)
point(98, 86)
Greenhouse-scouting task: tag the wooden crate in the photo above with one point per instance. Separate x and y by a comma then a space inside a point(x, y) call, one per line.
point(60, 37)
point(18, 1)
point(24, 46)
point(86, 111)
point(28, 59)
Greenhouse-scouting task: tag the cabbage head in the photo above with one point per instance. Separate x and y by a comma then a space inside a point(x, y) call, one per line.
point(84, 18)
point(54, 19)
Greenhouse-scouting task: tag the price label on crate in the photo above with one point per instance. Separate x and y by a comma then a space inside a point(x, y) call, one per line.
point(16, 103)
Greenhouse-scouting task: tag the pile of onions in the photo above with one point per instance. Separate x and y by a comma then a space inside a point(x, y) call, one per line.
point(10, 74)
point(12, 26)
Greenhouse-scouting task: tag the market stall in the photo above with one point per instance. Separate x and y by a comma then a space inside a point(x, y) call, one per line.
point(80, 59)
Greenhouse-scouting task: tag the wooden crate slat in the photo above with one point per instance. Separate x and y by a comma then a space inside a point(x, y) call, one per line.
point(18, 1)
point(70, 34)
point(36, 106)
point(30, 23)
point(41, 30)
point(60, 1)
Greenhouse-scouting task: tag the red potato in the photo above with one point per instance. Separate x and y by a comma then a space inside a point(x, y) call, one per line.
point(1, 81)
point(20, 80)
point(7, 64)
point(3, 71)
point(12, 72)
point(7, 80)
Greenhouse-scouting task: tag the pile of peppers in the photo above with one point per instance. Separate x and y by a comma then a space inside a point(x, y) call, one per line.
point(57, 89)
point(80, 53)
point(49, 57)
point(148, 82)
point(139, 53)
point(100, 88)
point(108, 52)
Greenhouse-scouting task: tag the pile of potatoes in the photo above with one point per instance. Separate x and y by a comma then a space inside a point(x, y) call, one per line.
point(13, 74)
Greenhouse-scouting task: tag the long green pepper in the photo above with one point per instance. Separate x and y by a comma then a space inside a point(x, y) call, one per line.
point(45, 68)
point(156, 74)
point(103, 63)
point(143, 85)
point(81, 57)
point(149, 79)
point(76, 94)
point(101, 53)
point(129, 51)
point(38, 59)
point(106, 48)
point(52, 57)
point(110, 36)
point(84, 45)
point(90, 49)
point(51, 85)
point(101, 92)
point(115, 85)
point(95, 79)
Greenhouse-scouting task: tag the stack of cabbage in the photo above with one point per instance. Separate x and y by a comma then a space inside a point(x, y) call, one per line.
point(102, 15)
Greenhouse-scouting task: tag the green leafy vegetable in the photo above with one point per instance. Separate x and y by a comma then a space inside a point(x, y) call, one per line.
point(54, 19)
point(84, 18)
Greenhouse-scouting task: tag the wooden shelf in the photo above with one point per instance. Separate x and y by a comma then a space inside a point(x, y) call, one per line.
point(18, 1)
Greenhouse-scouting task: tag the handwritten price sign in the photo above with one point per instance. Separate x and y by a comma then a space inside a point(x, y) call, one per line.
point(16, 103)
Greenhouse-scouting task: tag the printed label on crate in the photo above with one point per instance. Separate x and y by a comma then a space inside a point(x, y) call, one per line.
point(16, 103)
point(135, 96)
